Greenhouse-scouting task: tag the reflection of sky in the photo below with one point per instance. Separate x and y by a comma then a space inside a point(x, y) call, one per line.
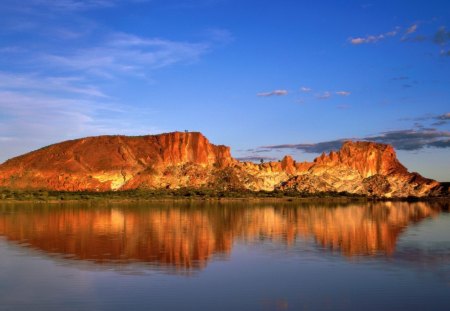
point(426, 245)
point(434, 229)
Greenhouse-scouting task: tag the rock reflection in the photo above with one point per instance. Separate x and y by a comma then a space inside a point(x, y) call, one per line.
point(188, 236)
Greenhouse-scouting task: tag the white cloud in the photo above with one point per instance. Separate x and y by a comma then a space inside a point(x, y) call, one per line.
point(368, 39)
point(343, 93)
point(305, 89)
point(74, 85)
point(392, 33)
point(411, 29)
point(127, 54)
point(357, 41)
point(273, 93)
point(373, 38)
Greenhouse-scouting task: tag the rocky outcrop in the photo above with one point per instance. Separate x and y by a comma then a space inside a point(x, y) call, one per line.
point(116, 162)
point(364, 168)
point(176, 160)
point(367, 158)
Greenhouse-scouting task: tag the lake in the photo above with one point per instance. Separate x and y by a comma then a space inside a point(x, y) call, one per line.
point(225, 256)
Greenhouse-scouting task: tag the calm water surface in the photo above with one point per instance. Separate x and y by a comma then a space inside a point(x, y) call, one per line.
point(233, 256)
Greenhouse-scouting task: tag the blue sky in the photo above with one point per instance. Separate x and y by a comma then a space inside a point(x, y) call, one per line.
point(267, 78)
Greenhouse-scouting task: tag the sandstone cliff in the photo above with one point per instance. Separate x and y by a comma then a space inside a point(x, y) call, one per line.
point(115, 162)
point(362, 168)
point(176, 160)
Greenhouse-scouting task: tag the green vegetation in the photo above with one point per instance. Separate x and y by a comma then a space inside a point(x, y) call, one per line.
point(182, 193)
point(147, 194)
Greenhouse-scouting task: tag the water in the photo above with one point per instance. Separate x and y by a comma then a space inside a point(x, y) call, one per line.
point(233, 256)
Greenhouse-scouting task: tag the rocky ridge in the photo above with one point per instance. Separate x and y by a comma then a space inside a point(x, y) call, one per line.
point(178, 160)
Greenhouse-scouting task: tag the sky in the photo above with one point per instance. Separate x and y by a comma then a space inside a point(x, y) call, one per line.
point(266, 78)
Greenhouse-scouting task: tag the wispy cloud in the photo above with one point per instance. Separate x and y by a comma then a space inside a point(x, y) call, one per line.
point(361, 40)
point(127, 54)
point(441, 120)
point(219, 35)
point(343, 93)
point(441, 37)
point(409, 140)
point(324, 95)
point(407, 35)
point(35, 82)
point(273, 93)
point(445, 116)
point(379, 37)
point(412, 139)
point(305, 89)
point(84, 47)
point(438, 120)
point(50, 112)
point(74, 5)
point(373, 38)
point(411, 29)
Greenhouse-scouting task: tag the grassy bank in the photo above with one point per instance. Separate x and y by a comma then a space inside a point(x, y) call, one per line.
point(184, 193)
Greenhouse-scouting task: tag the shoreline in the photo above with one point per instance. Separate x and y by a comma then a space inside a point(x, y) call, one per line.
point(57, 197)
point(192, 194)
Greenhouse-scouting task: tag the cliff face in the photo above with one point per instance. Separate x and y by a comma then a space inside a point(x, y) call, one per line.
point(112, 162)
point(367, 158)
point(365, 168)
point(177, 160)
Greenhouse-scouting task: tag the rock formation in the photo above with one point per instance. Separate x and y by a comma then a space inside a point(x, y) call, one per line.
point(176, 160)
point(116, 162)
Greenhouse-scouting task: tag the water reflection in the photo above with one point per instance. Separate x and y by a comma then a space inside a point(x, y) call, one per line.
point(188, 236)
